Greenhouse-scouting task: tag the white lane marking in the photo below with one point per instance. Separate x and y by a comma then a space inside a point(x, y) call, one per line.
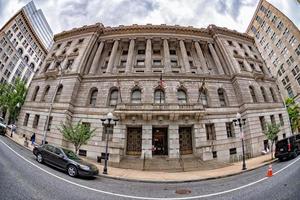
point(139, 197)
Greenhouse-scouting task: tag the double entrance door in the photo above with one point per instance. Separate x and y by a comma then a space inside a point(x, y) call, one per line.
point(160, 141)
point(185, 140)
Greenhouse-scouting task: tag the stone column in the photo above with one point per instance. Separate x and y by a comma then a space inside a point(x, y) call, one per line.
point(185, 58)
point(130, 56)
point(173, 141)
point(216, 59)
point(148, 61)
point(112, 57)
point(146, 141)
point(201, 57)
point(167, 60)
point(96, 60)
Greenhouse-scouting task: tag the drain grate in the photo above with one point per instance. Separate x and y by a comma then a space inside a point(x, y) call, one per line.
point(183, 191)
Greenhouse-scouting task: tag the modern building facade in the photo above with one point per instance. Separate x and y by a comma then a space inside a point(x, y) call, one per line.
point(278, 41)
point(176, 91)
point(24, 43)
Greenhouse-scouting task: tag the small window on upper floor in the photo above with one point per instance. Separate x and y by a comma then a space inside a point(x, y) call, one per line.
point(230, 43)
point(156, 52)
point(75, 50)
point(172, 52)
point(174, 63)
point(157, 62)
point(141, 52)
point(68, 43)
point(124, 52)
point(188, 53)
point(241, 45)
point(251, 49)
point(58, 46)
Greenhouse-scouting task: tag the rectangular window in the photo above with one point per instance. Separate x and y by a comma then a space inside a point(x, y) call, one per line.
point(232, 151)
point(156, 52)
point(69, 64)
point(230, 129)
point(124, 52)
point(107, 131)
point(123, 63)
point(26, 119)
point(140, 62)
point(297, 50)
point(157, 62)
point(172, 52)
point(290, 91)
point(36, 121)
point(141, 52)
point(210, 132)
point(272, 117)
point(215, 155)
point(80, 41)
point(262, 123)
point(242, 66)
point(230, 43)
point(82, 152)
point(49, 123)
point(174, 63)
point(68, 43)
point(281, 119)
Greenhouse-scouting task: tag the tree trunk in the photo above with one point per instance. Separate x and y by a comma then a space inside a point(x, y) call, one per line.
point(272, 143)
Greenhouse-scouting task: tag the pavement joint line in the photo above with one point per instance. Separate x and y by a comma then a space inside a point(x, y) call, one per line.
point(139, 197)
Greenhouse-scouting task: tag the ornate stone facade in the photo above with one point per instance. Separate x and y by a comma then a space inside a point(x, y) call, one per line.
point(278, 41)
point(175, 90)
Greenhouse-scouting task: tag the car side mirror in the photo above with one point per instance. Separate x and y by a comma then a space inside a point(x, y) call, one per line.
point(61, 155)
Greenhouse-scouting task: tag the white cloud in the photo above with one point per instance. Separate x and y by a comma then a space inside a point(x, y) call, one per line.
point(67, 14)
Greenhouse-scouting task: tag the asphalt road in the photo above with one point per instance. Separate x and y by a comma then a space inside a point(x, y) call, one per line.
point(21, 177)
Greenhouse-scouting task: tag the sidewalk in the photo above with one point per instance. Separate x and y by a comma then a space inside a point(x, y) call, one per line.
point(150, 176)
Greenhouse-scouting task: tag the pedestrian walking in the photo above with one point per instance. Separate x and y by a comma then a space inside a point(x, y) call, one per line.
point(32, 139)
point(13, 129)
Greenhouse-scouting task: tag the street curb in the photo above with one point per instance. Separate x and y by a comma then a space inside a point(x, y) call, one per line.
point(185, 181)
point(167, 181)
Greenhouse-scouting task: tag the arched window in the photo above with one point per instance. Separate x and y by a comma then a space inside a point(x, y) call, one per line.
point(93, 97)
point(181, 96)
point(36, 90)
point(222, 98)
point(31, 66)
point(263, 92)
point(159, 96)
point(26, 59)
point(136, 96)
point(273, 95)
point(113, 98)
point(58, 93)
point(46, 92)
point(20, 51)
point(252, 92)
point(203, 97)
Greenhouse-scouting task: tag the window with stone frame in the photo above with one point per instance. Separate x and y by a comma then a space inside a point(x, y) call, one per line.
point(232, 151)
point(203, 99)
point(80, 41)
point(157, 62)
point(263, 93)
point(159, 96)
point(124, 52)
point(136, 96)
point(140, 62)
point(181, 96)
point(113, 97)
point(141, 52)
point(156, 52)
point(172, 52)
point(93, 97)
point(68, 43)
point(297, 50)
point(26, 119)
point(58, 93)
point(252, 93)
point(123, 63)
point(222, 97)
point(35, 93)
point(290, 92)
point(272, 117)
point(273, 95)
point(230, 130)
point(174, 63)
point(210, 131)
point(263, 123)
point(36, 121)
point(49, 123)
point(242, 66)
point(46, 92)
point(281, 119)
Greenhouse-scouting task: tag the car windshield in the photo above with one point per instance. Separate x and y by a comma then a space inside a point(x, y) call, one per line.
point(70, 154)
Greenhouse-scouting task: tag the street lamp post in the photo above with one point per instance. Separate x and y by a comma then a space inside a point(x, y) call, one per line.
point(108, 122)
point(52, 101)
point(241, 122)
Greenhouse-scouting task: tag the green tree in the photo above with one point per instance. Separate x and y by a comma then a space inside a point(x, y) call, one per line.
point(78, 134)
point(272, 133)
point(12, 97)
point(294, 115)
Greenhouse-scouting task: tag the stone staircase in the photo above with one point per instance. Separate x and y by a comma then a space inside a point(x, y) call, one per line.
point(163, 163)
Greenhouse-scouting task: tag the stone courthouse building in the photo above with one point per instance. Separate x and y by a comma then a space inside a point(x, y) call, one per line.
point(174, 89)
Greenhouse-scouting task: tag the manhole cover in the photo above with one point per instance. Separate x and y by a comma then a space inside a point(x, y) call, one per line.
point(183, 191)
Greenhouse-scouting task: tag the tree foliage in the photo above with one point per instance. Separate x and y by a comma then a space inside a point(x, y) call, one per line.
point(293, 111)
point(78, 134)
point(272, 134)
point(12, 97)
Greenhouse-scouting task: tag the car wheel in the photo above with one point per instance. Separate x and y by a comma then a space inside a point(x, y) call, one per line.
point(72, 171)
point(39, 158)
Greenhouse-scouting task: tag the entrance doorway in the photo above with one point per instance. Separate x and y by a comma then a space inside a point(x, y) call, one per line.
point(134, 141)
point(185, 140)
point(160, 141)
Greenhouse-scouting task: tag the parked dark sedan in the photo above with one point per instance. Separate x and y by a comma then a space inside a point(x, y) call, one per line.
point(64, 159)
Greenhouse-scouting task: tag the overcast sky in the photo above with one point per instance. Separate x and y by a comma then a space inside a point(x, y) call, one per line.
point(67, 14)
